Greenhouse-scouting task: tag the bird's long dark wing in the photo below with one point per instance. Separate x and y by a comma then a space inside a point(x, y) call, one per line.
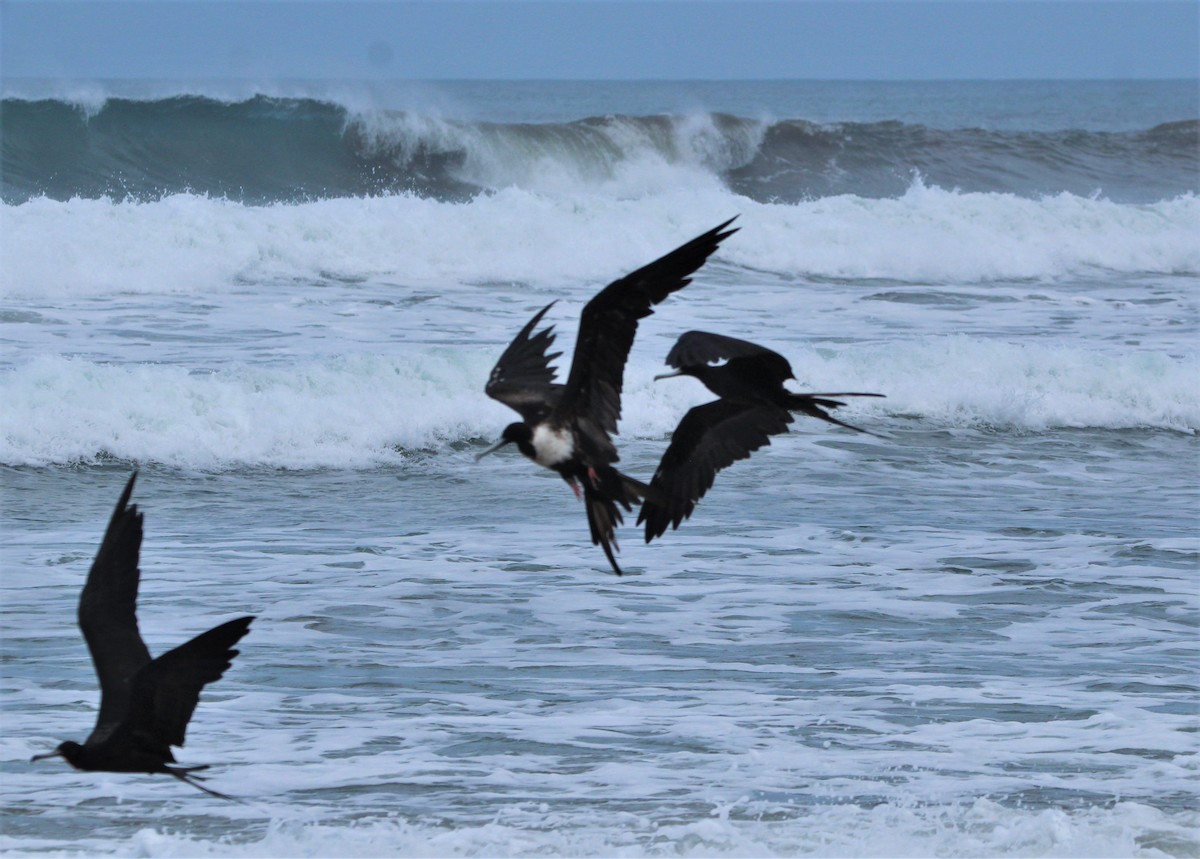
point(709, 438)
point(108, 613)
point(695, 348)
point(609, 323)
point(165, 692)
point(523, 378)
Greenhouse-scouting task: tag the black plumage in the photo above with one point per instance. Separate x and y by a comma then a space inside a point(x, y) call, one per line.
point(568, 427)
point(746, 372)
point(145, 704)
point(710, 438)
point(753, 406)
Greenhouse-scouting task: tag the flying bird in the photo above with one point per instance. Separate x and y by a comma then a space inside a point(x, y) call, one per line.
point(568, 427)
point(145, 704)
point(746, 372)
point(753, 406)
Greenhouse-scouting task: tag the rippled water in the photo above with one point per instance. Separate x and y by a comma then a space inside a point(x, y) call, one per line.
point(914, 625)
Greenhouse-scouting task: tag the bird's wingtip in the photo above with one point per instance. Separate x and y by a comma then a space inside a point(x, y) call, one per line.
point(127, 492)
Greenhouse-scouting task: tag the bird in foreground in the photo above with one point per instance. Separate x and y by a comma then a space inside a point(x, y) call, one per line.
point(145, 704)
point(753, 406)
point(568, 427)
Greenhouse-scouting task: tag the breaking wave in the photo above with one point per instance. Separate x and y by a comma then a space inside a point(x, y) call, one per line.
point(363, 410)
point(271, 149)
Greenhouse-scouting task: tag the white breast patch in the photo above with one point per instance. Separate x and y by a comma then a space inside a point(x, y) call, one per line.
point(552, 446)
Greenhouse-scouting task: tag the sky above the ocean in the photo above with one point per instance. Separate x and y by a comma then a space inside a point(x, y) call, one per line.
point(598, 39)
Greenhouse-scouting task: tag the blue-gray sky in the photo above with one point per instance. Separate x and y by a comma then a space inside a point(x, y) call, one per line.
point(598, 39)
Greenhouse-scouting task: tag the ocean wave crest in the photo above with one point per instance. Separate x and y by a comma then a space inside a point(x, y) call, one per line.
point(265, 149)
point(363, 410)
point(192, 244)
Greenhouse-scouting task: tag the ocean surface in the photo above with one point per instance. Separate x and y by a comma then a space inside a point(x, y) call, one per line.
point(976, 636)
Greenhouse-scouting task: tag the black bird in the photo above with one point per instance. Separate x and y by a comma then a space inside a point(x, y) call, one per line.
point(753, 406)
point(568, 427)
point(145, 704)
point(746, 372)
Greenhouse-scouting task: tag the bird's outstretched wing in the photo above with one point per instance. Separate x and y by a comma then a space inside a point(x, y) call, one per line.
point(165, 692)
point(709, 438)
point(696, 348)
point(523, 378)
point(108, 613)
point(609, 322)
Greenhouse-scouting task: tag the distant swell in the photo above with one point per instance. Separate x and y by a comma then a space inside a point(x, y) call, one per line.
point(878, 160)
point(265, 150)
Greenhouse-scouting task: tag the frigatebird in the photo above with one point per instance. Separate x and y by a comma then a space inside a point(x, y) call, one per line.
point(568, 427)
point(145, 704)
point(746, 372)
point(753, 406)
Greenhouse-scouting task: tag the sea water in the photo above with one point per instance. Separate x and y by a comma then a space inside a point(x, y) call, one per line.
point(976, 635)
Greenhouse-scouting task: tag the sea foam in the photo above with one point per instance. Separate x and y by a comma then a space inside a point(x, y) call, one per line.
point(362, 410)
point(192, 244)
point(979, 828)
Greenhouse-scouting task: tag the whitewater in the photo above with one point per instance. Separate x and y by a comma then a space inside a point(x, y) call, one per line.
point(973, 636)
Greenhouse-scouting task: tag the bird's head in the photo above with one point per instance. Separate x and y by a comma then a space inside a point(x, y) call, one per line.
point(69, 751)
point(517, 433)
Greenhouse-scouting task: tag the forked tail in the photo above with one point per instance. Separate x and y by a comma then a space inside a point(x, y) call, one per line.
point(601, 498)
point(187, 776)
point(814, 405)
